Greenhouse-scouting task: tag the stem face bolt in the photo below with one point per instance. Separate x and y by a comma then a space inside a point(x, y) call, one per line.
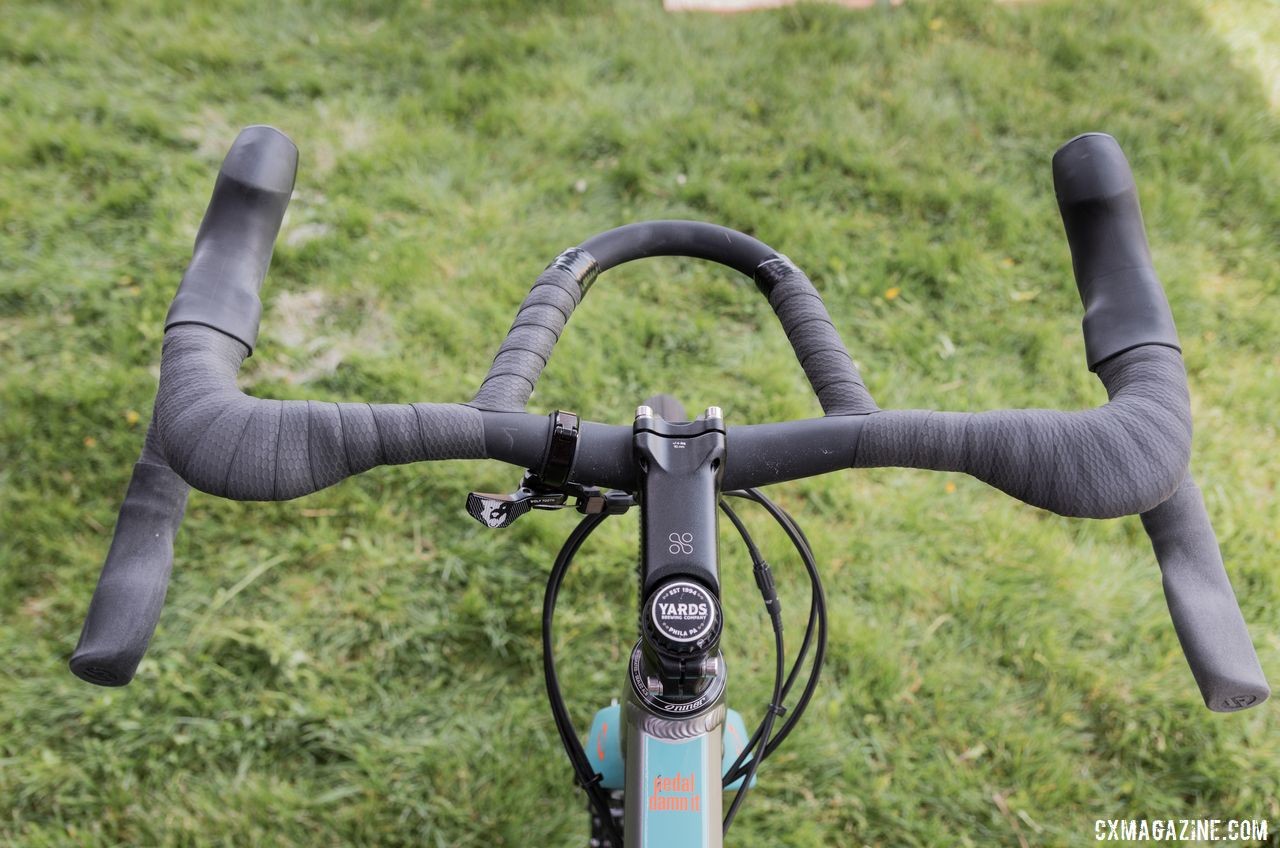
point(713, 412)
point(644, 412)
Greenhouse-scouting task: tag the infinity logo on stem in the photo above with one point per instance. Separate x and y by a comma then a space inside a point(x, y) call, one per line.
point(681, 543)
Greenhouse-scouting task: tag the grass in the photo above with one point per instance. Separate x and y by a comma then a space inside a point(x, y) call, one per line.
point(361, 667)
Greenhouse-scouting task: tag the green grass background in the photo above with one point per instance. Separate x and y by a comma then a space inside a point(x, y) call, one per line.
point(361, 666)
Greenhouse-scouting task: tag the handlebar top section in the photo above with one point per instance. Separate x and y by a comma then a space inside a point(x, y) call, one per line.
point(560, 288)
point(694, 239)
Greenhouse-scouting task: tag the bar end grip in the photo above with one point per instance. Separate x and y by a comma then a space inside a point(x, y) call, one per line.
point(126, 603)
point(1125, 306)
point(1202, 604)
point(237, 236)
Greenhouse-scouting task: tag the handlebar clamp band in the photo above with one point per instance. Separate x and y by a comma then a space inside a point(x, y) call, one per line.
point(562, 448)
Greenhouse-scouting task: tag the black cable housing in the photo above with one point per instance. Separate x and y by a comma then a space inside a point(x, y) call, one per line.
point(584, 774)
point(817, 626)
point(774, 710)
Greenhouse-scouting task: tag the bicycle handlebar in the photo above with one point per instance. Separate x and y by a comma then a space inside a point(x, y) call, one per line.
point(1205, 613)
point(561, 287)
point(1130, 455)
point(126, 604)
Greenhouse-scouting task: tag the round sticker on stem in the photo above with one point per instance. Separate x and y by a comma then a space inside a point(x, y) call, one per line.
point(683, 611)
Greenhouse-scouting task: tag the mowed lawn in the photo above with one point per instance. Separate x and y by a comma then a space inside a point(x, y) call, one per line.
point(362, 667)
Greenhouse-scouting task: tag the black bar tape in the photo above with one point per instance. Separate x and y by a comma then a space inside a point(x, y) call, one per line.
point(560, 288)
point(1202, 604)
point(1124, 304)
point(236, 238)
point(130, 592)
point(1122, 458)
point(535, 331)
point(817, 345)
point(227, 443)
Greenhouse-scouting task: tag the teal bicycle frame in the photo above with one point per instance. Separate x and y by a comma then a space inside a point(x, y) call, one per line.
point(671, 783)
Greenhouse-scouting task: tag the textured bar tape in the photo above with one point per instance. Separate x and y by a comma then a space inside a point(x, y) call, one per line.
point(1121, 458)
point(826, 362)
point(560, 288)
point(535, 331)
point(227, 443)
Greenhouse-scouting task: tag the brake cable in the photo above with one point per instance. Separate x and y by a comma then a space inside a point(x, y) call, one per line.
point(817, 613)
point(585, 776)
point(816, 626)
point(764, 580)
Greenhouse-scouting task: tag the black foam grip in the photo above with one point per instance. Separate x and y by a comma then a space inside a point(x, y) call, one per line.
point(817, 345)
point(234, 244)
point(1205, 613)
point(126, 603)
point(1124, 304)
